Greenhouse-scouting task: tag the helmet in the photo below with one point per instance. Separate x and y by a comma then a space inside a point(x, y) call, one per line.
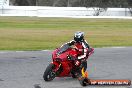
point(79, 36)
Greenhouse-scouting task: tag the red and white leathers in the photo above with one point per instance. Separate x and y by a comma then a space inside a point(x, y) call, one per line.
point(82, 47)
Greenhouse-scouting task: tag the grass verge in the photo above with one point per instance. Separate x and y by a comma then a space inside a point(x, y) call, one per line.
point(32, 33)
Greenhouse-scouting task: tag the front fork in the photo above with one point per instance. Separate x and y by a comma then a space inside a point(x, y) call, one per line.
point(58, 68)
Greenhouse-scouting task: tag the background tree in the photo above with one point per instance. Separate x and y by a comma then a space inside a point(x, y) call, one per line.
point(102, 5)
point(23, 2)
point(75, 3)
point(45, 2)
point(98, 5)
point(130, 6)
point(61, 3)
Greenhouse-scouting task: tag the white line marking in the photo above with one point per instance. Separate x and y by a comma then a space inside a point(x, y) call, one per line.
point(45, 50)
point(2, 52)
point(114, 47)
point(19, 51)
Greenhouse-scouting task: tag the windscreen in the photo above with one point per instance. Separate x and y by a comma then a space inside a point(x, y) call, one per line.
point(63, 48)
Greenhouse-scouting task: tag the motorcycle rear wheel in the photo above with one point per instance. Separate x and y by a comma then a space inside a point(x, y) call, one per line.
point(49, 74)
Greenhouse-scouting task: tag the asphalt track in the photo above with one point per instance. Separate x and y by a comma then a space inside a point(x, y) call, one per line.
point(24, 69)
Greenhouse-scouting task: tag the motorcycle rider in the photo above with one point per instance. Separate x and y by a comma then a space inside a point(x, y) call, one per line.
point(81, 45)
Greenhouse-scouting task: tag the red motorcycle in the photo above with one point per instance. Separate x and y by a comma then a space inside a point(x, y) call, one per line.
point(63, 64)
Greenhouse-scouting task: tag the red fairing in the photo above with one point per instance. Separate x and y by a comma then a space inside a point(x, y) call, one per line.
point(62, 63)
point(66, 69)
point(63, 56)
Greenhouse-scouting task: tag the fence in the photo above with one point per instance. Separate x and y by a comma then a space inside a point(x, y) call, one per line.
point(40, 11)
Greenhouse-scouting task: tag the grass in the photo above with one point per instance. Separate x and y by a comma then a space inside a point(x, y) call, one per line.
point(32, 33)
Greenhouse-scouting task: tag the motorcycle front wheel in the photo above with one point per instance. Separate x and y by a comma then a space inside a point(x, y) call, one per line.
point(49, 74)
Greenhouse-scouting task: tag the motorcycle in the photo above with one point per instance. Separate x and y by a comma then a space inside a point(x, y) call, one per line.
point(63, 64)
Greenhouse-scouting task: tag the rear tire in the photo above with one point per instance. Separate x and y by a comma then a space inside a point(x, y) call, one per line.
point(49, 74)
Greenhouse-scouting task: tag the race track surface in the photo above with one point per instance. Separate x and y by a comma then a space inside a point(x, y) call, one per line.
point(24, 69)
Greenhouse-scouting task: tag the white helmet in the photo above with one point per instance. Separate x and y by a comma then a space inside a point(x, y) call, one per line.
point(79, 36)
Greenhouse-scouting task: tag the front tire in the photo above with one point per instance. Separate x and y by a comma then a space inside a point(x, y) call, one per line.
point(49, 74)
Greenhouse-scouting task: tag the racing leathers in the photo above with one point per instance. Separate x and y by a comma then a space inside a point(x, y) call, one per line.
point(83, 49)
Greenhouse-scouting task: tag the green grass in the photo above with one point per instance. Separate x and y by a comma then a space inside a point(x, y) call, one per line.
point(32, 33)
